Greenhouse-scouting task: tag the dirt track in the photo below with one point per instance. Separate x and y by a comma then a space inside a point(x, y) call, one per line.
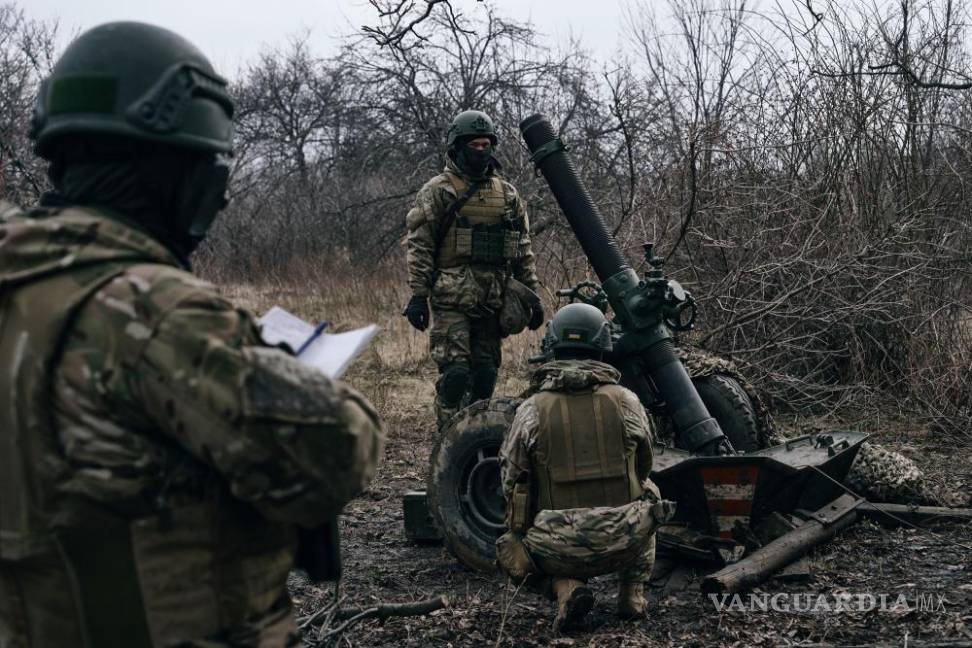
point(381, 565)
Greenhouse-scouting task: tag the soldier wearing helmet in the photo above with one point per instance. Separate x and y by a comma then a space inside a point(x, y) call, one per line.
point(575, 467)
point(158, 460)
point(468, 235)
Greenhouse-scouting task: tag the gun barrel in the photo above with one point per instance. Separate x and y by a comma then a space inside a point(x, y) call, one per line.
point(646, 338)
point(581, 212)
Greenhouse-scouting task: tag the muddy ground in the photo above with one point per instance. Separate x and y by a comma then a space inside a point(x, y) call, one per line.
point(931, 568)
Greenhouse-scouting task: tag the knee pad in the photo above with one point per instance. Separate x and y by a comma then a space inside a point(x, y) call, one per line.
point(482, 382)
point(452, 383)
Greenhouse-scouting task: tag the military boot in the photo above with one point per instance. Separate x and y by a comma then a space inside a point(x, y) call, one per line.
point(574, 601)
point(631, 601)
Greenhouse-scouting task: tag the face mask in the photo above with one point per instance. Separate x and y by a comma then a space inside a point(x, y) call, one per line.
point(472, 161)
point(203, 196)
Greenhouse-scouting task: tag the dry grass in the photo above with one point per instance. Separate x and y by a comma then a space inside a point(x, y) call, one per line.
point(396, 373)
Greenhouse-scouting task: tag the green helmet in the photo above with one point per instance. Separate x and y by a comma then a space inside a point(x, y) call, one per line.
point(470, 123)
point(138, 81)
point(578, 326)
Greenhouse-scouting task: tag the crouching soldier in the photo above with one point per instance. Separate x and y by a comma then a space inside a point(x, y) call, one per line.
point(575, 467)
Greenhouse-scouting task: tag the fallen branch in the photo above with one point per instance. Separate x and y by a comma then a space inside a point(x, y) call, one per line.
point(352, 615)
point(414, 608)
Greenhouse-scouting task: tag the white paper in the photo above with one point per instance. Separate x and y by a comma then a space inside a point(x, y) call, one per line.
point(330, 353)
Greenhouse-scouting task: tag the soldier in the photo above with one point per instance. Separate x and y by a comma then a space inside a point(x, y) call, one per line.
point(468, 234)
point(157, 459)
point(575, 467)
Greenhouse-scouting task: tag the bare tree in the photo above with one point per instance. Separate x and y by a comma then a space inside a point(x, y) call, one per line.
point(26, 56)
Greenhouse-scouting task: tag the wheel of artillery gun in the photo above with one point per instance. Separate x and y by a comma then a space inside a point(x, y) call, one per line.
point(729, 404)
point(463, 490)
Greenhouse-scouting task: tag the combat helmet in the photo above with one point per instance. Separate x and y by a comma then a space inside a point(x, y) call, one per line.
point(578, 326)
point(137, 81)
point(471, 124)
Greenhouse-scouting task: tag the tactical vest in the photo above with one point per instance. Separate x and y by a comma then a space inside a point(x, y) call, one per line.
point(579, 458)
point(484, 231)
point(72, 571)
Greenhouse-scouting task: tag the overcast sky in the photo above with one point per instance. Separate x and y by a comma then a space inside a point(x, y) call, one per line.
point(232, 32)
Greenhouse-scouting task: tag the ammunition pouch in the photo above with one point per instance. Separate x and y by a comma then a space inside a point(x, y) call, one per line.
point(520, 509)
point(490, 245)
point(517, 307)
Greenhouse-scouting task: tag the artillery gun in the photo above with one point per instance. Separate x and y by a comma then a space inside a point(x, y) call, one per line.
point(734, 495)
point(710, 413)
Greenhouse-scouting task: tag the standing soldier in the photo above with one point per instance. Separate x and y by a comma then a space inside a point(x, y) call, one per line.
point(468, 235)
point(157, 459)
point(575, 467)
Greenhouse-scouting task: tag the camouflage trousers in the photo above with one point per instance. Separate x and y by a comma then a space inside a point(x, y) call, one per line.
point(587, 542)
point(468, 352)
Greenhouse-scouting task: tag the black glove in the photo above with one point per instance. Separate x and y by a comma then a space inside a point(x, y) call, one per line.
point(417, 312)
point(536, 316)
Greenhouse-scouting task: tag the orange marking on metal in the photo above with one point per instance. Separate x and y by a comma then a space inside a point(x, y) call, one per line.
point(729, 474)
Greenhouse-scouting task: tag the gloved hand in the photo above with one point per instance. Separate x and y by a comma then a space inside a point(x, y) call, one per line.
point(536, 316)
point(417, 312)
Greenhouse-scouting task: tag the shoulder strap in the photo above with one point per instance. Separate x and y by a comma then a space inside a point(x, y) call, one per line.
point(453, 209)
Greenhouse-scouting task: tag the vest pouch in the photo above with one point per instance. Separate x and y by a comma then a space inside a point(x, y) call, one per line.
point(520, 517)
point(464, 241)
point(209, 565)
point(511, 244)
point(487, 245)
point(99, 558)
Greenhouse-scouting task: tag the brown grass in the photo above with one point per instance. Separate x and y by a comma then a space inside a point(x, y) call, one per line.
point(396, 373)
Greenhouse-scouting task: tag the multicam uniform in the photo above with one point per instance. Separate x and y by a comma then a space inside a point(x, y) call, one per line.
point(575, 468)
point(465, 275)
point(155, 455)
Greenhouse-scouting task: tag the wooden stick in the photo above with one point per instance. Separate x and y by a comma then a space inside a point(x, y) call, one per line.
point(412, 608)
point(382, 612)
point(903, 514)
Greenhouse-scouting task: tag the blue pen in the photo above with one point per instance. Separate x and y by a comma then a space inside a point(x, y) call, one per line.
point(316, 334)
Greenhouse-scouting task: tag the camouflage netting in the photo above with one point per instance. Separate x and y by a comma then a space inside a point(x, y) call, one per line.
point(879, 474)
point(882, 475)
point(701, 363)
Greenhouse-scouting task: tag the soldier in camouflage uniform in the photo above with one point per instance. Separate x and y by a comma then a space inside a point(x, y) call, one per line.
point(157, 459)
point(575, 468)
point(459, 260)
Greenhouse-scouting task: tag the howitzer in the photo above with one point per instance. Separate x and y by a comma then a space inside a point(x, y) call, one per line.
point(703, 402)
point(646, 308)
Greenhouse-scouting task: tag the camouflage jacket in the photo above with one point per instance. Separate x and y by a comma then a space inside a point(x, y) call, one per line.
point(566, 376)
point(162, 393)
point(466, 288)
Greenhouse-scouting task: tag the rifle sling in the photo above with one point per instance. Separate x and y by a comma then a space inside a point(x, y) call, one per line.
point(453, 209)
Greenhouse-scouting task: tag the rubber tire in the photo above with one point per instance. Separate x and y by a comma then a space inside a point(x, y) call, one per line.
point(729, 404)
point(482, 425)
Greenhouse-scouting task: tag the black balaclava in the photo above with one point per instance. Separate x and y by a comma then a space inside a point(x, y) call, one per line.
point(171, 194)
point(473, 162)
